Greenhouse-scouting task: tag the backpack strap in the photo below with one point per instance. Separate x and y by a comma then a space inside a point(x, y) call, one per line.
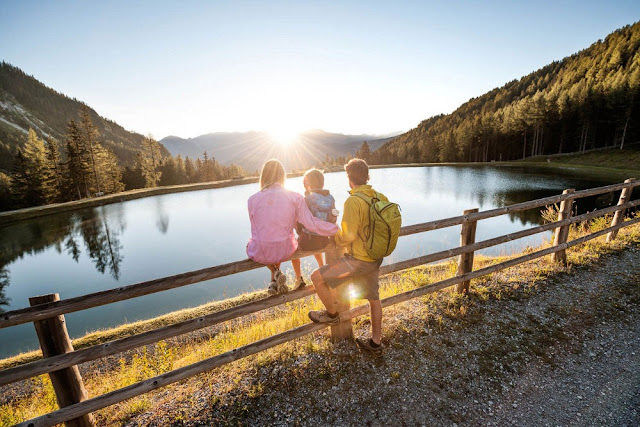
point(369, 200)
point(366, 198)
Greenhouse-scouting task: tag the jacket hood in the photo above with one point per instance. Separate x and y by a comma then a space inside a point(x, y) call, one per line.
point(364, 189)
point(321, 192)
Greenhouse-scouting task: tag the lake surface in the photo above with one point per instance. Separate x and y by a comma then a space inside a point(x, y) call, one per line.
point(119, 244)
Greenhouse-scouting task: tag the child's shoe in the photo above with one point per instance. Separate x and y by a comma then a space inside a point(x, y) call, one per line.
point(272, 289)
point(281, 282)
point(300, 284)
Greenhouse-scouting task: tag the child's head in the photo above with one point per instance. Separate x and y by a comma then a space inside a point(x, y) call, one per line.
point(313, 180)
point(272, 172)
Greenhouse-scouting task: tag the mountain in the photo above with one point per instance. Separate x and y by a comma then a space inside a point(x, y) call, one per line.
point(26, 103)
point(588, 100)
point(251, 149)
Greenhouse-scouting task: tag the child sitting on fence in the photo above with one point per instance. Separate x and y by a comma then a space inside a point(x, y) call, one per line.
point(323, 206)
point(274, 212)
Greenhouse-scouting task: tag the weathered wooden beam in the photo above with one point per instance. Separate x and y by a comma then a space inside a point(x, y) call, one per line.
point(465, 263)
point(67, 383)
point(619, 215)
point(562, 233)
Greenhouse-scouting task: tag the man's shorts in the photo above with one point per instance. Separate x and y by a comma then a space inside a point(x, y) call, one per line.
point(364, 275)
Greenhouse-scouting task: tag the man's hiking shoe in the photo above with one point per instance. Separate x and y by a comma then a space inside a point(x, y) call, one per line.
point(272, 289)
point(321, 316)
point(281, 282)
point(300, 284)
point(367, 345)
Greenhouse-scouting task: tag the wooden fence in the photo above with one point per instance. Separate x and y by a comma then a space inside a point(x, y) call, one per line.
point(60, 359)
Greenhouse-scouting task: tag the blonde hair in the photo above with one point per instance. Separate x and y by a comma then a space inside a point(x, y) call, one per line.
point(315, 178)
point(272, 172)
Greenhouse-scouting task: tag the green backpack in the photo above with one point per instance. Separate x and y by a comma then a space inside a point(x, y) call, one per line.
point(385, 221)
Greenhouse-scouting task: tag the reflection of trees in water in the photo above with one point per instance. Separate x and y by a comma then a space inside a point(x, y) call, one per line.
point(162, 222)
point(4, 282)
point(101, 240)
point(102, 244)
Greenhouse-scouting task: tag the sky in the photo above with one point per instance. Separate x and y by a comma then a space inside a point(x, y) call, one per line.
point(192, 67)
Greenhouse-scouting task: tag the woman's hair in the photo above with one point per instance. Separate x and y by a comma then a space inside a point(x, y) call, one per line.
point(357, 171)
point(272, 172)
point(315, 178)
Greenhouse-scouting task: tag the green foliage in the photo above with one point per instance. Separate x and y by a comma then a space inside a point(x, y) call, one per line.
point(588, 100)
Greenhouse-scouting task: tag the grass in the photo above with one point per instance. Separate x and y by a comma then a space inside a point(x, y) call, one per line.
point(36, 397)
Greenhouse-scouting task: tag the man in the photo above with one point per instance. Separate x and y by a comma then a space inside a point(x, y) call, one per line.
point(356, 266)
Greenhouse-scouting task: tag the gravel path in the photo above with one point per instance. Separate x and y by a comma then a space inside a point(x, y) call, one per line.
point(560, 351)
point(596, 384)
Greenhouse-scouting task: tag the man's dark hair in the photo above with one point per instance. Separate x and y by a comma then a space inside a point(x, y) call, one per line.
point(357, 171)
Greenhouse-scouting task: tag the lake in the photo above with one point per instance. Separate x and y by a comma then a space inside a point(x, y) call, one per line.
point(93, 249)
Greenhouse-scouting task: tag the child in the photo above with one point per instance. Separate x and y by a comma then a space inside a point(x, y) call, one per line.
point(274, 212)
point(323, 206)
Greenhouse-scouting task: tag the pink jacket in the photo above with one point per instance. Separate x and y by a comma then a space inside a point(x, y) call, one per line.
point(274, 213)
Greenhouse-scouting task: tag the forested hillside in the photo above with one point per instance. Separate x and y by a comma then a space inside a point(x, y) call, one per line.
point(26, 103)
point(588, 100)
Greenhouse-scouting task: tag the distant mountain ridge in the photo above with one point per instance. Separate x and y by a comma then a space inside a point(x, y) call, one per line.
point(251, 149)
point(27, 103)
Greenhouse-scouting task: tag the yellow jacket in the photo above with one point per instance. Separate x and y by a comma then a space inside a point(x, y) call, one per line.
point(355, 223)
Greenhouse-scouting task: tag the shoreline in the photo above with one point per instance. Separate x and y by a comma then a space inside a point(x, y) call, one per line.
point(7, 217)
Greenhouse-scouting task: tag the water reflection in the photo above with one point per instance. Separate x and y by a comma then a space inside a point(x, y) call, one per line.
point(162, 221)
point(4, 282)
point(89, 226)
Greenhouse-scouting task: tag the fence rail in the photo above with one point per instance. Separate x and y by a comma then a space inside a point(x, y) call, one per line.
point(69, 359)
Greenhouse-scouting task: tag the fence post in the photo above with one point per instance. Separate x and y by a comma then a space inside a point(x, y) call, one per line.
point(618, 217)
point(562, 233)
point(343, 330)
point(54, 340)
point(465, 263)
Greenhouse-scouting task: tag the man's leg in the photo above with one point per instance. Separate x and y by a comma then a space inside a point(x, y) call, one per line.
point(325, 293)
point(376, 320)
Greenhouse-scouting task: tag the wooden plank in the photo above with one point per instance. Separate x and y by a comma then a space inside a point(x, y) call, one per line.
point(518, 207)
point(343, 330)
point(106, 349)
point(145, 386)
point(465, 263)
point(49, 364)
point(562, 233)
point(67, 383)
point(449, 253)
point(619, 215)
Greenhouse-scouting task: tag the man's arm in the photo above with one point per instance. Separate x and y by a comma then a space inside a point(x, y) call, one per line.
point(350, 223)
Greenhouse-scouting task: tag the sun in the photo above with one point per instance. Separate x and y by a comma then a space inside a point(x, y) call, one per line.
point(284, 137)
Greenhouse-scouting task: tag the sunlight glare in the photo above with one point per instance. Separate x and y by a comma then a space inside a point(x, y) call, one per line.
point(283, 136)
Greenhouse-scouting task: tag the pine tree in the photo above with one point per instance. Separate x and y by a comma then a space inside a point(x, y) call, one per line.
point(190, 171)
point(89, 136)
point(149, 160)
point(77, 167)
point(28, 178)
point(364, 152)
point(109, 171)
point(54, 176)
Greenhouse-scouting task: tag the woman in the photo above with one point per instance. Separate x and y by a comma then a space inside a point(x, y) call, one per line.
point(274, 213)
